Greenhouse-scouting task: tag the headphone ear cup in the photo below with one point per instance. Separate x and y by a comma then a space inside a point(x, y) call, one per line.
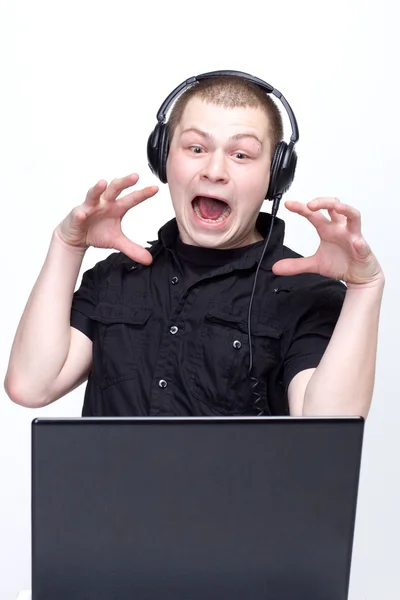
point(283, 169)
point(152, 149)
point(157, 151)
point(275, 170)
point(163, 149)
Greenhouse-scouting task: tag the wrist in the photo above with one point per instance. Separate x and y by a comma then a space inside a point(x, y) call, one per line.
point(377, 284)
point(60, 242)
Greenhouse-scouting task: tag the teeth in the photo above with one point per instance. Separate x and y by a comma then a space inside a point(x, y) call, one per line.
point(226, 212)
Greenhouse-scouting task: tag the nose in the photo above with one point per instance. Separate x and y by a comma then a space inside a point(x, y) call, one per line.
point(214, 169)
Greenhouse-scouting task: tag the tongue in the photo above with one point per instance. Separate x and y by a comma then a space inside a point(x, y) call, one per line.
point(210, 208)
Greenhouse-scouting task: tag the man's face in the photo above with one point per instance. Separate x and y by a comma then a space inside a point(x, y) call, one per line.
point(218, 171)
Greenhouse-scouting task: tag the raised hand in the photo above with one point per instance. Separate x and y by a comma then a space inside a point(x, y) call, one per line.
point(97, 222)
point(343, 252)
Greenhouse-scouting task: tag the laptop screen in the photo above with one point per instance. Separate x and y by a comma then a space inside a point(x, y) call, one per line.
point(194, 509)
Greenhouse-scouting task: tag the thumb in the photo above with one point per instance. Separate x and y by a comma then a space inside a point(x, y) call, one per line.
point(362, 248)
point(134, 251)
point(295, 266)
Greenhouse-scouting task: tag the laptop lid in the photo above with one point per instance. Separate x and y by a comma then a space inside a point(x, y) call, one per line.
point(254, 508)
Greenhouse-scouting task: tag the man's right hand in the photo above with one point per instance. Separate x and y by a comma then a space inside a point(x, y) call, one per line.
point(97, 222)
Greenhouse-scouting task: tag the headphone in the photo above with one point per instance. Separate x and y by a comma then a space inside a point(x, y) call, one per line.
point(284, 161)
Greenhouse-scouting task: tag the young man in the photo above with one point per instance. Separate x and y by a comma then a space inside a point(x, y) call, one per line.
point(165, 331)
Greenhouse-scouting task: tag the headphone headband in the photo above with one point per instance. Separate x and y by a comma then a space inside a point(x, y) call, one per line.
point(162, 112)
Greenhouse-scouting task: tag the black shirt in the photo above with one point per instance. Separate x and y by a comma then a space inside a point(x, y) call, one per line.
point(172, 338)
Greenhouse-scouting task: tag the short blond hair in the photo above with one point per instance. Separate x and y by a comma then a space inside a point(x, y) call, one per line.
point(230, 91)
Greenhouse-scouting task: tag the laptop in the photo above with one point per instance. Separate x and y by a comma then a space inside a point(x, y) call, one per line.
point(256, 508)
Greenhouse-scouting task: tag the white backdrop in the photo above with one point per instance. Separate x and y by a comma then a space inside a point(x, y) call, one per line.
point(81, 84)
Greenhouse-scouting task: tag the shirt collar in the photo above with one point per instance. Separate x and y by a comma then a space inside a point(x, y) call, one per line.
point(169, 232)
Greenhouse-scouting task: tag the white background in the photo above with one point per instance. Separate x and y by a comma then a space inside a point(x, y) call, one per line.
point(81, 83)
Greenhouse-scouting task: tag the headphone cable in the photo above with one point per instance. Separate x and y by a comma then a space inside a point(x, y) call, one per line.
point(254, 380)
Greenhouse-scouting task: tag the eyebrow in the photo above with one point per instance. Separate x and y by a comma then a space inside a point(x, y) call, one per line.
point(237, 136)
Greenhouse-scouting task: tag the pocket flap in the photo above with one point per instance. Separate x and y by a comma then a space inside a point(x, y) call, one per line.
point(224, 313)
point(120, 313)
point(268, 327)
point(262, 325)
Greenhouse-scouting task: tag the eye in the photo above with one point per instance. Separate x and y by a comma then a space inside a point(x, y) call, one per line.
point(196, 149)
point(241, 155)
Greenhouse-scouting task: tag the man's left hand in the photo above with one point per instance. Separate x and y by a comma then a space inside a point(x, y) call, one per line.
point(343, 253)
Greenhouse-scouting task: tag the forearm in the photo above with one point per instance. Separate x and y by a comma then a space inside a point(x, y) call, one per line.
point(41, 343)
point(344, 380)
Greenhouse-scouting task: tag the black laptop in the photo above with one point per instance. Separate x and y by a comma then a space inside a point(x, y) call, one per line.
point(253, 508)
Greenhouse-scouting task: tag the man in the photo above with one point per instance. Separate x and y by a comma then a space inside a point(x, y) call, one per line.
point(168, 330)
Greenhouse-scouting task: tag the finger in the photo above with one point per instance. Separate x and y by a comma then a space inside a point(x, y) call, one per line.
point(316, 218)
point(134, 251)
point(93, 195)
point(295, 266)
point(324, 203)
point(335, 216)
point(353, 217)
point(137, 197)
point(118, 185)
point(339, 212)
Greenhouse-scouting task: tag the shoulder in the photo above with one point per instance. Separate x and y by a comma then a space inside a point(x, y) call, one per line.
point(119, 262)
point(311, 282)
point(102, 268)
point(309, 291)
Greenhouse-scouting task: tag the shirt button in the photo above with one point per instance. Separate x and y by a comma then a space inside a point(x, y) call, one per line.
point(162, 383)
point(173, 329)
point(174, 280)
point(236, 344)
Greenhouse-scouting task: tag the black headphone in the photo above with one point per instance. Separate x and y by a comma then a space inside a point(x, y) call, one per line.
point(283, 164)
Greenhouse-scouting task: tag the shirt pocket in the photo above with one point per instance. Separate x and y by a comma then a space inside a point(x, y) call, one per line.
point(220, 367)
point(118, 341)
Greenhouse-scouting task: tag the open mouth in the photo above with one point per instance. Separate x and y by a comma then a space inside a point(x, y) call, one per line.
point(211, 210)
